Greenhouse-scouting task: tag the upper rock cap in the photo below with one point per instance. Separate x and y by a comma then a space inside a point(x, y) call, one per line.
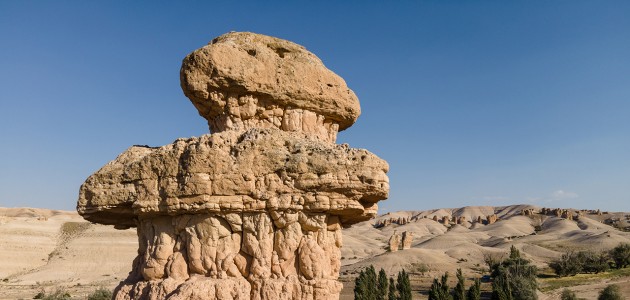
point(242, 75)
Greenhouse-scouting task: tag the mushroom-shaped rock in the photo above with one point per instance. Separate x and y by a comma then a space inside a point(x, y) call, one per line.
point(243, 80)
point(254, 210)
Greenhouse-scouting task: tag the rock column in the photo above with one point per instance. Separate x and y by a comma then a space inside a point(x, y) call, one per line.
point(255, 209)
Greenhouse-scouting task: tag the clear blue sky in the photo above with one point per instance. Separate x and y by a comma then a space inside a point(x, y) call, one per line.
point(471, 102)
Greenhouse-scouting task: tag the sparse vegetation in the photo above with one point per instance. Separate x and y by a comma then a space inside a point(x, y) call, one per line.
point(73, 228)
point(58, 294)
point(100, 294)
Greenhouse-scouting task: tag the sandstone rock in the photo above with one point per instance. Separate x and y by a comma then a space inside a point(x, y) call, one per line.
point(491, 219)
point(394, 242)
point(407, 239)
point(254, 210)
point(242, 80)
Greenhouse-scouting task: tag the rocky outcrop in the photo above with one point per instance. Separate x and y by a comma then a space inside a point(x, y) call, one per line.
point(394, 242)
point(407, 239)
point(389, 221)
point(491, 219)
point(254, 210)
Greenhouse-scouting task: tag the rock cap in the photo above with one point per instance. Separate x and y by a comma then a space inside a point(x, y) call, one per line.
point(243, 76)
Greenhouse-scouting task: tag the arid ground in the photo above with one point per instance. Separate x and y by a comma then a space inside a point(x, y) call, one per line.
point(46, 249)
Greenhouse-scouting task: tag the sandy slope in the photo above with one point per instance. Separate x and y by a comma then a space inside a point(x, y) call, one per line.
point(45, 248)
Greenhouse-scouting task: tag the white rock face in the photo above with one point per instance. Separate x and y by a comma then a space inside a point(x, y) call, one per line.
point(254, 210)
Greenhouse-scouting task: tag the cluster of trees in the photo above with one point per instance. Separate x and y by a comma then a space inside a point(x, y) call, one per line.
point(572, 263)
point(369, 286)
point(441, 291)
point(514, 278)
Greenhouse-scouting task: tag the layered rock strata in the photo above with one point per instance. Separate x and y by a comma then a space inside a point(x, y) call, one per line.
point(254, 210)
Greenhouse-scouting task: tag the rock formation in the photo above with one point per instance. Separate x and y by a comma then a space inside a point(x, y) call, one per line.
point(394, 242)
point(407, 239)
point(255, 209)
point(491, 219)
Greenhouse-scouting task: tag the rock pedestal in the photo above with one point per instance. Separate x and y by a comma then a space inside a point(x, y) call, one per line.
point(407, 239)
point(254, 210)
point(394, 242)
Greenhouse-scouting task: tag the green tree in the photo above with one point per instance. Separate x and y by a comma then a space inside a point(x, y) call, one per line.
point(391, 295)
point(382, 285)
point(460, 289)
point(474, 291)
point(359, 287)
point(569, 264)
point(621, 255)
point(403, 285)
point(568, 294)
point(439, 289)
point(595, 262)
point(611, 292)
point(365, 287)
point(514, 278)
point(371, 287)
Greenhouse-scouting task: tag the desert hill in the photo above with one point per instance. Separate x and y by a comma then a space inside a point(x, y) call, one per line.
point(42, 249)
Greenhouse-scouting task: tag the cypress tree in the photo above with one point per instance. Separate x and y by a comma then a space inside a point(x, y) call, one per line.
point(382, 285)
point(514, 278)
point(474, 291)
point(403, 286)
point(440, 289)
point(391, 295)
point(370, 286)
point(460, 289)
point(359, 287)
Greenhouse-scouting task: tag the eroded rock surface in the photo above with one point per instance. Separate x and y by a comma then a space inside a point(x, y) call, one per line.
point(254, 210)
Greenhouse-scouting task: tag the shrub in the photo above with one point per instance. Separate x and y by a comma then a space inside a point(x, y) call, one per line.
point(100, 294)
point(59, 294)
point(611, 292)
point(421, 268)
point(621, 255)
point(568, 294)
